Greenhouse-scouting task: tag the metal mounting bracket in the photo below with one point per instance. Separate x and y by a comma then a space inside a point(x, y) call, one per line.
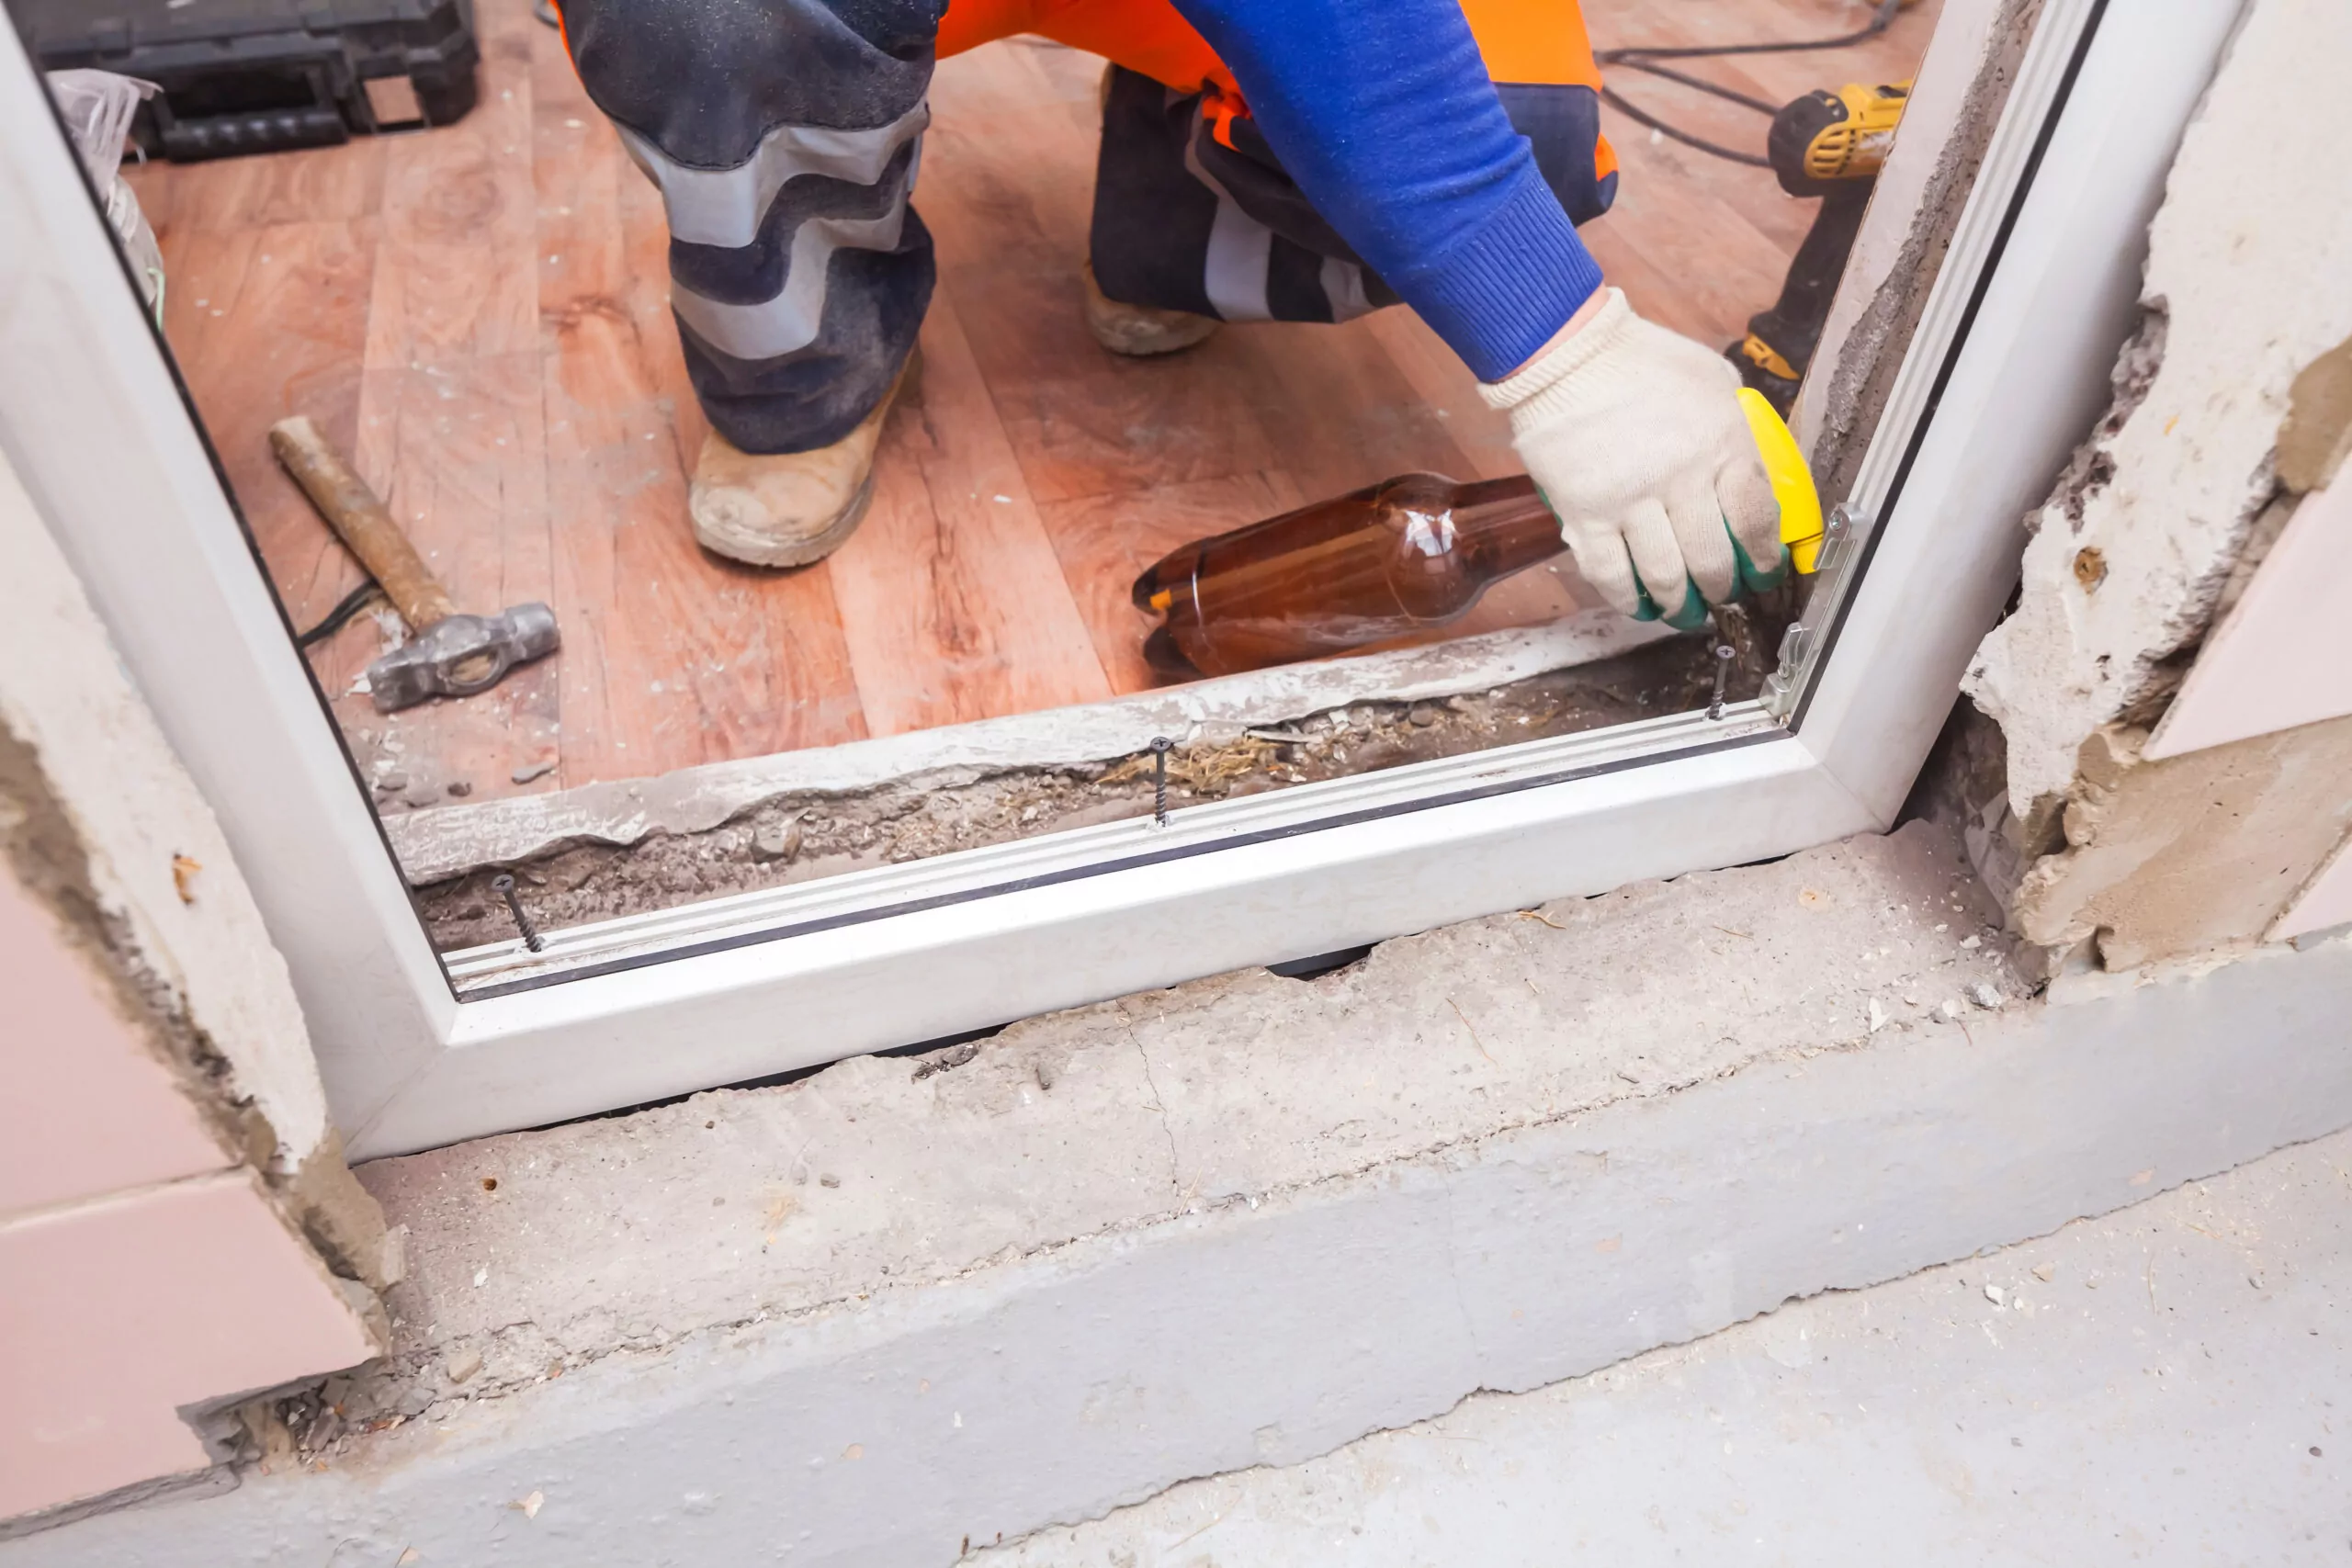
point(1801, 644)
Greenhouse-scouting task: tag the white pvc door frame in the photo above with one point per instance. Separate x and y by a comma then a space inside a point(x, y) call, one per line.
point(2008, 369)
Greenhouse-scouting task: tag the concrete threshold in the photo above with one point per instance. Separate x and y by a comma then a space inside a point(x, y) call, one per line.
point(902, 1307)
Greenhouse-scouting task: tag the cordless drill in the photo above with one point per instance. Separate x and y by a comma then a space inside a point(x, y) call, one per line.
point(1831, 145)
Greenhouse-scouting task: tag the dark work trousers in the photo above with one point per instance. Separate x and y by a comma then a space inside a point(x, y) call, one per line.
point(1184, 222)
point(784, 136)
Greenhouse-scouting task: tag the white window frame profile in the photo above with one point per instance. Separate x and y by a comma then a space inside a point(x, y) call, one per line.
point(2007, 368)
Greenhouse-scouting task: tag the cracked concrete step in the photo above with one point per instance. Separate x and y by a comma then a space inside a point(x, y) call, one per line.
point(600, 1234)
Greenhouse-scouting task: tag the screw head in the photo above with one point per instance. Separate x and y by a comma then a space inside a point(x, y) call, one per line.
point(1161, 744)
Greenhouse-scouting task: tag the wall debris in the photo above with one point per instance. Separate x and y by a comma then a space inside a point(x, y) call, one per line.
point(2226, 403)
point(2188, 853)
point(2247, 285)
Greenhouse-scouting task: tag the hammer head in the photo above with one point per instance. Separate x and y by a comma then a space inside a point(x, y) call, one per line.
point(459, 655)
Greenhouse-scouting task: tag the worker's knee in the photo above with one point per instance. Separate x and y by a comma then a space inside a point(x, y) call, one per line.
point(705, 80)
point(1562, 124)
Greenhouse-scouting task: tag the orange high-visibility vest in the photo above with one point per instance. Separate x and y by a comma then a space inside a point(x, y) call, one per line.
point(1537, 42)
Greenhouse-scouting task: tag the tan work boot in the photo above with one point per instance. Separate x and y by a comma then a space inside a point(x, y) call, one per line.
point(1140, 330)
point(789, 508)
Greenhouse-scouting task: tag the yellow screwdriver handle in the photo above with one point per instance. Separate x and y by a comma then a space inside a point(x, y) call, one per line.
point(1791, 479)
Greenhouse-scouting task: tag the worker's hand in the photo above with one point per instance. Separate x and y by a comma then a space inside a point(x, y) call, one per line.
point(1636, 438)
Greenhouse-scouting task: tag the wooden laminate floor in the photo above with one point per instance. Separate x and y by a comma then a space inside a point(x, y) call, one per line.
point(479, 314)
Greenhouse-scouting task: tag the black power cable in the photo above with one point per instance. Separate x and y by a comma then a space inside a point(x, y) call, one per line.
point(1645, 57)
point(341, 614)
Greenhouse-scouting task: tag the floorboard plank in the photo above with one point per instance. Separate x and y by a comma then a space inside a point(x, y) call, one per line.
point(1335, 405)
point(1440, 380)
point(1007, 188)
point(268, 322)
point(954, 605)
point(458, 274)
point(313, 186)
point(1698, 242)
point(1715, 265)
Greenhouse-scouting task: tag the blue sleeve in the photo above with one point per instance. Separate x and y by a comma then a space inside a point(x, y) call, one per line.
point(1383, 114)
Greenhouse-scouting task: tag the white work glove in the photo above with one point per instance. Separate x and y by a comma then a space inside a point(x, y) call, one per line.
point(1636, 438)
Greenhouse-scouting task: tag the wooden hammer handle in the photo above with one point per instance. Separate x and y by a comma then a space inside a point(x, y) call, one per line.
point(363, 522)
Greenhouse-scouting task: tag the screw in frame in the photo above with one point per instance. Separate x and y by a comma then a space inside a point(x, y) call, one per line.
point(1723, 656)
point(503, 885)
point(1161, 747)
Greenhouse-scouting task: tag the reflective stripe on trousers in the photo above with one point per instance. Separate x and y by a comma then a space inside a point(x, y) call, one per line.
point(784, 136)
point(724, 207)
point(727, 208)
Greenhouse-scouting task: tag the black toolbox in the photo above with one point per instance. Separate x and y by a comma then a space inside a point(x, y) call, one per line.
point(264, 75)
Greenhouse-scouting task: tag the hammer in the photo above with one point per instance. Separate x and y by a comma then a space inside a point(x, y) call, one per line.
point(447, 654)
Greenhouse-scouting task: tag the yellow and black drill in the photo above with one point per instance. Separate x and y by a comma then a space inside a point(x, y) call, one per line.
point(1831, 145)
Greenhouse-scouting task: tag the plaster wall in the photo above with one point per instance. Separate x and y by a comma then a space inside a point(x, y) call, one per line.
point(87, 1105)
point(158, 867)
point(2249, 282)
point(168, 1181)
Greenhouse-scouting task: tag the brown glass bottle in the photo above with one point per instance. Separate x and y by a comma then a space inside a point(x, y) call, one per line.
point(1402, 555)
